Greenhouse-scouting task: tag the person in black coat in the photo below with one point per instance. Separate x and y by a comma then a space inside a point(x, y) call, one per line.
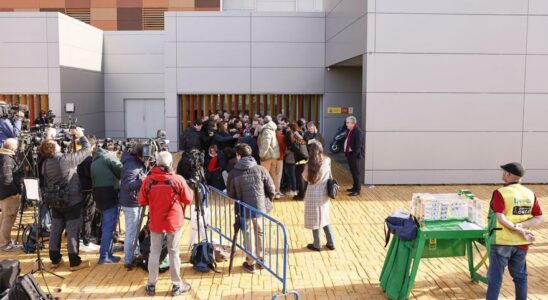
point(9, 192)
point(193, 138)
point(354, 150)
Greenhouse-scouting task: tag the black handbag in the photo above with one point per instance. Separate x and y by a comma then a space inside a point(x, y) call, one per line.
point(333, 187)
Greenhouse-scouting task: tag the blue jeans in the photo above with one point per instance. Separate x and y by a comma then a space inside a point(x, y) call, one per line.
point(108, 224)
point(289, 170)
point(131, 215)
point(514, 258)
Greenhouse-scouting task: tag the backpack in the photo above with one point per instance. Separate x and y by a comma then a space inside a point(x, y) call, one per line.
point(404, 228)
point(144, 249)
point(29, 239)
point(9, 271)
point(27, 288)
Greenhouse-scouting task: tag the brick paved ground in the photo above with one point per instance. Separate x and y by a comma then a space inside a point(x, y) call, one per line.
point(350, 272)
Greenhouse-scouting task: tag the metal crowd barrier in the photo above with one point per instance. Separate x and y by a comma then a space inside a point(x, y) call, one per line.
point(273, 253)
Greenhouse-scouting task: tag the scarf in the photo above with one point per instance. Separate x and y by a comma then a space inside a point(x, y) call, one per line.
point(349, 140)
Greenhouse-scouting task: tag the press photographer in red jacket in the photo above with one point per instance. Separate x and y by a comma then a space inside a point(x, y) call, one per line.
point(167, 195)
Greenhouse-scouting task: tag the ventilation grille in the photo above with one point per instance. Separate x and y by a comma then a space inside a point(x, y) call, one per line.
point(153, 18)
point(82, 14)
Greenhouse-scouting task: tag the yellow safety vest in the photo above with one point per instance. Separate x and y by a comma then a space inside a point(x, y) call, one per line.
point(518, 204)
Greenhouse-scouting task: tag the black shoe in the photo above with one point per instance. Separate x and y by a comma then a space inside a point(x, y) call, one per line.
point(350, 190)
point(353, 194)
point(249, 268)
point(258, 265)
point(311, 247)
point(176, 290)
point(150, 290)
point(330, 247)
point(128, 267)
point(298, 198)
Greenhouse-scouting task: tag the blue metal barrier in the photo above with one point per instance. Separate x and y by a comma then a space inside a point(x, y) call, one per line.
point(273, 253)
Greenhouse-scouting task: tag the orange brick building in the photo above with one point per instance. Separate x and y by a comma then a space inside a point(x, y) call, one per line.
point(114, 14)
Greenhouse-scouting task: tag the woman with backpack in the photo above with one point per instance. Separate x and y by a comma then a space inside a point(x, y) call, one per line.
point(316, 201)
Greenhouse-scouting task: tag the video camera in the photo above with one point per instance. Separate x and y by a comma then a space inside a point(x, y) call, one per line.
point(9, 111)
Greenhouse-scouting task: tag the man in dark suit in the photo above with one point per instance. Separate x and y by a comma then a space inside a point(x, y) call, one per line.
point(354, 150)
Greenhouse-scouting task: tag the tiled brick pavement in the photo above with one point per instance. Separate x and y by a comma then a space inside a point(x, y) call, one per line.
point(350, 272)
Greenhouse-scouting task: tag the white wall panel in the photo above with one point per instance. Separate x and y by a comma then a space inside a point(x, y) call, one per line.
point(134, 63)
point(444, 112)
point(329, 5)
point(140, 42)
point(213, 54)
point(288, 29)
point(54, 80)
point(536, 109)
point(213, 80)
point(309, 5)
point(74, 57)
point(23, 55)
point(443, 150)
point(445, 73)
point(170, 80)
point(287, 80)
point(537, 39)
point(133, 83)
point(537, 79)
point(304, 55)
point(425, 33)
point(52, 28)
point(344, 79)
point(214, 28)
point(22, 29)
point(538, 7)
point(452, 6)
point(347, 44)
point(535, 176)
point(277, 5)
point(80, 35)
point(24, 80)
point(115, 101)
point(114, 120)
point(343, 15)
point(170, 28)
point(238, 5)
point(535, 148)
point(170, 55)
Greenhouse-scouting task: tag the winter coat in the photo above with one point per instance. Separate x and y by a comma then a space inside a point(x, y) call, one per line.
point(133, 173)
point(84, 174)
point(268, 143)
point(289, 155)
point(223, 140)
point(165, 202)
point(252, 142)
point(9, 129)
point(214, 169)
point(106, 171)
point(281, 143)
point(10, 180)
point(192, 139)
point(316, 201)
point(251, 184)
point(61, 170)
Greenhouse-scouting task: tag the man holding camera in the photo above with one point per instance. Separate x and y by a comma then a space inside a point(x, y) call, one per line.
point(106, 171)
point(9, 193)
point(133, 174)
point(61, 180)
point(166, 194)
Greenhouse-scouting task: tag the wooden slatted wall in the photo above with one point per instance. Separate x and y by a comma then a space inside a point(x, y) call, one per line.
point(36, 103)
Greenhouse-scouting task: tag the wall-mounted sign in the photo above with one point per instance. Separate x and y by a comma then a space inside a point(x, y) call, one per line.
point(340, 110)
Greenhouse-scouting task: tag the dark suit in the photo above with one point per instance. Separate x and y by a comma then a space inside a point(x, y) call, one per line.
point(355, 156)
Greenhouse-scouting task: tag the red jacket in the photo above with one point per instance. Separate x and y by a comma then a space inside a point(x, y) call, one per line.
point(165, 201)
point(281, 143)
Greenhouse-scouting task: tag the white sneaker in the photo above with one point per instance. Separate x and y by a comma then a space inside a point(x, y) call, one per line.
point(91, 248)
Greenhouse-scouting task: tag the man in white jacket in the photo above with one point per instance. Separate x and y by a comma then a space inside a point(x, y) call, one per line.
point(269, 150)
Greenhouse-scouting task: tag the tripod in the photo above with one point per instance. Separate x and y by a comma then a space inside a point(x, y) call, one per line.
point(32, 165)
point(39, 263)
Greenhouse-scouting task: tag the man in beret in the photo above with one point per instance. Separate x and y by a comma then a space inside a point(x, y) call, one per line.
point(513, 209)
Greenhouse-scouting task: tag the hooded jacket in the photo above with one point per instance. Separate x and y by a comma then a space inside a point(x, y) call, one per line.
point(9, 129)
point(251, 184)
point(165, 200)
point(133, 173)
point(61, 170)
point(10, 183)
point(268, 143)
point(106, 171)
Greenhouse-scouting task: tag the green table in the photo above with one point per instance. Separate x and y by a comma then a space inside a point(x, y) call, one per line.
point(437, 239)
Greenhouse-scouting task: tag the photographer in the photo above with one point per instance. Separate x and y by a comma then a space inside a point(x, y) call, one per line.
point(59, 171)
point(9, 129)
point(88, 212)
point(106, 171)
point(42, 119)
point(133, 173)
point(9, 193)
